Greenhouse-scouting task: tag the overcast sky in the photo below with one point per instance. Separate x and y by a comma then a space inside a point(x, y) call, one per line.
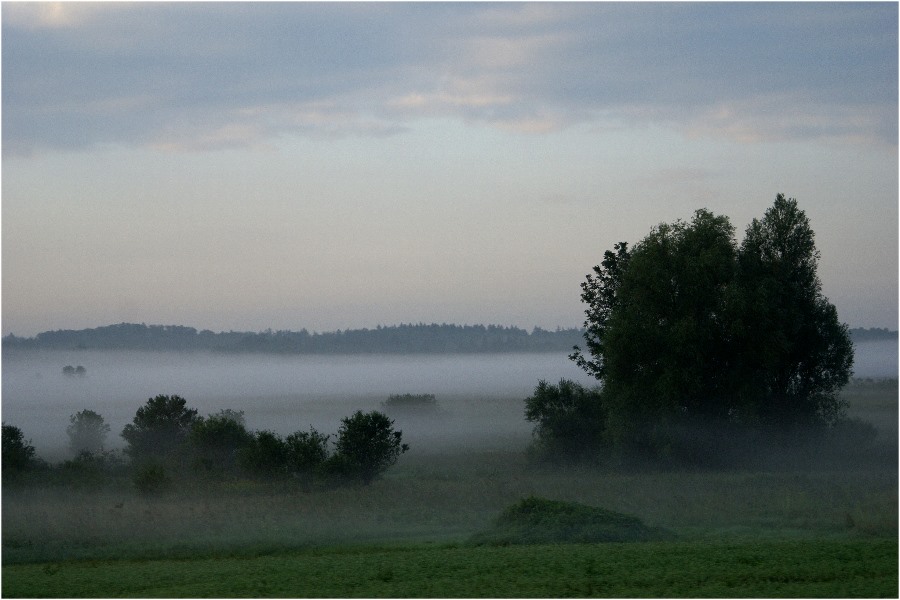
point(252, 166)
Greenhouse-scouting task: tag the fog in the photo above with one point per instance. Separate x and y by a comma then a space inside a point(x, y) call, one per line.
point(876, 359)
point(479, 396)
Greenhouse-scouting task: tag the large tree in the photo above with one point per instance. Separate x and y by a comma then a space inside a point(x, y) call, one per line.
point(688, 326)
point(796, 354)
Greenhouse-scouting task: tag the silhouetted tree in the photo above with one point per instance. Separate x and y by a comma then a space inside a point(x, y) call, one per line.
point(366, 446)
point(159, 427)
point(18, 454)
point(796, 355)
point(688, 327)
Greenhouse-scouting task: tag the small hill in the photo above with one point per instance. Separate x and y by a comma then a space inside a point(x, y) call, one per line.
point(540, 521)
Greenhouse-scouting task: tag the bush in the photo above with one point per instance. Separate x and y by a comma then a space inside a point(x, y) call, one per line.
point(90, 468)
point(540, 521)
point(18, 454)
point(307, 451)
point(87, 432)
point(366, 446)
point(151, 478)
point(569, 420)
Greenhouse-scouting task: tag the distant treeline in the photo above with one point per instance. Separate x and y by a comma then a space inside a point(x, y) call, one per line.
point(396, 339)
point(872, 335)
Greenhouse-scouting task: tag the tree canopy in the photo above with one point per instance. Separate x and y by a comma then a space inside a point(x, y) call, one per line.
point(159, 427)
point(690, 326)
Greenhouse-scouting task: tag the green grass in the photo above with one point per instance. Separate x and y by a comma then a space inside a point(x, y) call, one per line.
point(844, 568)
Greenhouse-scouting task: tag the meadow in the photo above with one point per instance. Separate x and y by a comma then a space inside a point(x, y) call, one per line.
point(811, 524)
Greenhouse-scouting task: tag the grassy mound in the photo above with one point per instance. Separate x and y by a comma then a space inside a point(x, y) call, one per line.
point(540, 521)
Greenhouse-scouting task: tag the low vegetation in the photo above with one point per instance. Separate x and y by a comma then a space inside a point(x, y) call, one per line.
point(541, 521)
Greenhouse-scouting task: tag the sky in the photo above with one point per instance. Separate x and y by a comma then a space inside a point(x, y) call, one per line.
point(245, 166)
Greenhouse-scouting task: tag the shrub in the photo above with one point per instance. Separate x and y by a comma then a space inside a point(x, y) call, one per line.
point(87, 432)
point(90, 468)
point(540, 521)
point(307, 451)
point(569, 420)
point(151, 478)
point(366, 446)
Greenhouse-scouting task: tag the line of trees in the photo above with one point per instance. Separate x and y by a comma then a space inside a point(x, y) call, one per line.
point(168, 440)
point(404, 339)
point(688, 330)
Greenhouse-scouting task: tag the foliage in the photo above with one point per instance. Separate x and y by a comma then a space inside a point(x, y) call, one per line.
point(265, 456)
point(71, 371)
point(87, 432)
point(90, 468)
point(366, 445)
point(687, 327)
point(569, 420)
point(151, 478)
point(540, 521)
point(307, 452)
point(159, 427)
point(18, 454)
point(600, 293)
point(217, 440)
point(796, 354)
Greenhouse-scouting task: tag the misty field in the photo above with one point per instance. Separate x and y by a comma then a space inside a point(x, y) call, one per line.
point(810, 524)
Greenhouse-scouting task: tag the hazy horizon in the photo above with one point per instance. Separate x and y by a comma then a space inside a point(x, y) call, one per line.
point(528, 329)
point(481, 396)
point(252, 166)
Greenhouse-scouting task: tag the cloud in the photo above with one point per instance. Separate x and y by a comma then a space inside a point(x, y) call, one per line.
point(204, 76)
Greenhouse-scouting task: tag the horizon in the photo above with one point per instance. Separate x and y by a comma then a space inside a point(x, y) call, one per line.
point(330, 165)
point(527, 330)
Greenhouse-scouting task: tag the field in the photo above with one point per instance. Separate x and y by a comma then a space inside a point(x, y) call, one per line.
point(814, 528)
point(823, 568)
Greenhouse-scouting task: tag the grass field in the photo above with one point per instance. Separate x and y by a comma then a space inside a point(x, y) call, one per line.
point(828, 529)
point(823, 568)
